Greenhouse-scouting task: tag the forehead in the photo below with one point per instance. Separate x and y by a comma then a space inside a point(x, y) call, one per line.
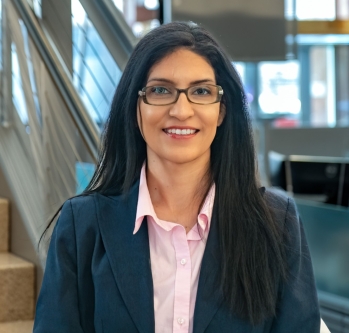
point(182, 66)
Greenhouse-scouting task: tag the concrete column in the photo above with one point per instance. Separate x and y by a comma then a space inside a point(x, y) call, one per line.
point(56, 17)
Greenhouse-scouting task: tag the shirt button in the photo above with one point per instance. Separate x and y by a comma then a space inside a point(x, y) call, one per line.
point(180, 321)
point(183, 261)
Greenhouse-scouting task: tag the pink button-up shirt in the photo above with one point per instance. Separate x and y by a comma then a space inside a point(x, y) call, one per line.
point(175, 261)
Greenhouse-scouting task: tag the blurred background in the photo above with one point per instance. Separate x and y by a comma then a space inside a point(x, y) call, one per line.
point(60, 63)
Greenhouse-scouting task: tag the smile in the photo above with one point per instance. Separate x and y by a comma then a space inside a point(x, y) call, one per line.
point(180, 131)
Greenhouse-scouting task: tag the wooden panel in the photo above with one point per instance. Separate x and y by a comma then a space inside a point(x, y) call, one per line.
point(323, 27)
point(17, 327)
point(17, 280)
point(4, 225)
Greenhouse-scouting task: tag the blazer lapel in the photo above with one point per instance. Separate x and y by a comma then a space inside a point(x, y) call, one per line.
point(209, 298)
point(129, 256)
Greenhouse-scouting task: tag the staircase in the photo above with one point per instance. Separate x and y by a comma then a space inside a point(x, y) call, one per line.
point(17, 281)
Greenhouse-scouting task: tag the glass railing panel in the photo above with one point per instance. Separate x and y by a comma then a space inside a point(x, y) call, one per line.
point(32, 78)
point(95, 73)
point(17, 88)
point(97, 52)
point(37, 8)
point(18, 95)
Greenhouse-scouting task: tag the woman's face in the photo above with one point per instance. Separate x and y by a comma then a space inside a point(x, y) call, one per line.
point(158, 124)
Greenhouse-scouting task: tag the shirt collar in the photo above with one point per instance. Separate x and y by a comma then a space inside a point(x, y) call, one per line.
point(146, 208)
point(144, 205)
point(205, 214)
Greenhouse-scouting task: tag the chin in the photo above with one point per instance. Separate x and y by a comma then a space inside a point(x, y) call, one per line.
point(182, 158)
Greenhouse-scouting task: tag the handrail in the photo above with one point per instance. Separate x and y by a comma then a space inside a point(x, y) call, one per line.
point(86, 126)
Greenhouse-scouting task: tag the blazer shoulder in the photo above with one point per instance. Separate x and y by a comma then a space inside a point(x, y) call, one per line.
point(276, 197)
point(87, 202)
point(82, 200)
point(90, 207)
point(283, 207)
point(80, 208)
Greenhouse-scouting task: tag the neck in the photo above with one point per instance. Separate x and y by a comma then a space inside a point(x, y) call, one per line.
point(177, 190)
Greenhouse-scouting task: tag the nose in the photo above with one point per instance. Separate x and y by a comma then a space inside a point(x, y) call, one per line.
point(182, 109)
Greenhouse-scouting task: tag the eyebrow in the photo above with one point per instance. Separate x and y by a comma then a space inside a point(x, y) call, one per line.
point(171, 82)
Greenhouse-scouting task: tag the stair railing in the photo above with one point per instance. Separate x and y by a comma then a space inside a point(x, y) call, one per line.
point(45, 129)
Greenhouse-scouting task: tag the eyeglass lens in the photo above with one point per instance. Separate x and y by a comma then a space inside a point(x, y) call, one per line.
point(202, 94)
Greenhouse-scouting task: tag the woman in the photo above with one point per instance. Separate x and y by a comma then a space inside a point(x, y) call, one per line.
point(173, 234)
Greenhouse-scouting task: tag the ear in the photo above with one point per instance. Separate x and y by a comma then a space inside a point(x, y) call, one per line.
point(222, 113)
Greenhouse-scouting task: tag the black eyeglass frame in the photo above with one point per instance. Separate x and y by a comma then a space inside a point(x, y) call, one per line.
point(141, 93)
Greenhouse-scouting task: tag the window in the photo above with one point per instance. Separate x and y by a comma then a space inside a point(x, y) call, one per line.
point(315, 9)
point(322, 86)
point(279, 88)
point(141, 15)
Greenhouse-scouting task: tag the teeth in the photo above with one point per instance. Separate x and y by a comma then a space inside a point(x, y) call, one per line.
point(180, 131)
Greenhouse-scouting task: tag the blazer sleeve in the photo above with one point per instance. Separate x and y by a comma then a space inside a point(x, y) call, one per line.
point(298, 308)
point(57, 309)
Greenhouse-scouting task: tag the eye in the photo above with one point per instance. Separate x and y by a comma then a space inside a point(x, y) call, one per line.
point(160, 90)
point(201, 91)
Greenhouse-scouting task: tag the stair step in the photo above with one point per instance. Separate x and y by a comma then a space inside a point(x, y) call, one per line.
point(17, 327)
point(4, 225)
point(16, 288)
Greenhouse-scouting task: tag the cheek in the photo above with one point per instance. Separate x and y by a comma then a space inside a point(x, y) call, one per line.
point(212, 119)
point(148, 121)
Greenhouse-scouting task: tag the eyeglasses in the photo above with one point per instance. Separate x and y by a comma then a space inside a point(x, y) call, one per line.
point(165, 95)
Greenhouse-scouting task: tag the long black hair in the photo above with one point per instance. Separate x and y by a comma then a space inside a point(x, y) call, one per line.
point(253, 256)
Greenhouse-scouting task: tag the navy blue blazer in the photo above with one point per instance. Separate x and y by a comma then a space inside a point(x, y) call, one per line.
point(98, 275)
